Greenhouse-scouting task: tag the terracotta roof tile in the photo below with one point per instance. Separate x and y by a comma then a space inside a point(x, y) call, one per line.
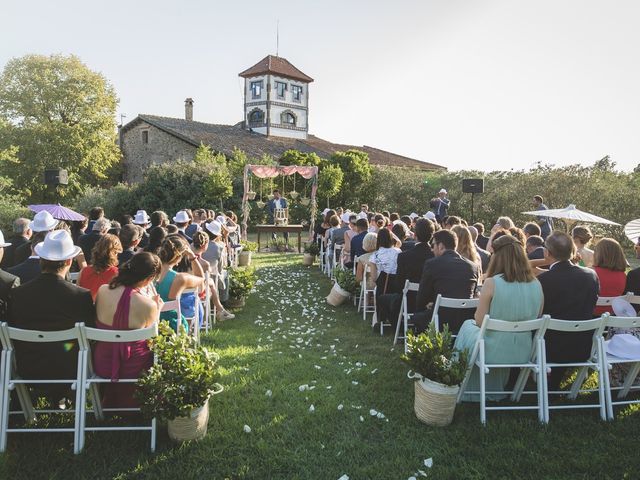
point(277, 66)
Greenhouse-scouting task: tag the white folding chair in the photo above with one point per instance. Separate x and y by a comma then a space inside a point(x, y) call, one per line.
point(173, 306)
point(446, 302)
point(594, 362)
point(194, 321)
point(404, 316)
point(90, 381)
point(368, 294)
point(620, 323)
point(11, 381)
point(607, 301)
point(337, 254)
point(327, 259)
point(534, 364)
point(356, 298)
point(321, 255)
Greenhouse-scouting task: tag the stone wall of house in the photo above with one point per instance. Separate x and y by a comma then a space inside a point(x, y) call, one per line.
point(160, 148)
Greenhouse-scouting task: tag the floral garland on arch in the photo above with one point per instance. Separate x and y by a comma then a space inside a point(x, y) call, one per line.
point(265, 171)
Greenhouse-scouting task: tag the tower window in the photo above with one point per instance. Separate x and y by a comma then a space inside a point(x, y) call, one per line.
point(296, 91)
point(145, 136)
point(256, 117)
point(256, 89)
point(288, 118)
point(281, 87)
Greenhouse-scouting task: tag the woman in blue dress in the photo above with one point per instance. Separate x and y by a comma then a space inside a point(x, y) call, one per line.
point(510, 292)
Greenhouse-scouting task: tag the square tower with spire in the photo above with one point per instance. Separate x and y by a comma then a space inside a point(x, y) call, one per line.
point(276, 98)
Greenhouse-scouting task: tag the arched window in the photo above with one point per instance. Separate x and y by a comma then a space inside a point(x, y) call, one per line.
point(288, 118)
point(256, 117)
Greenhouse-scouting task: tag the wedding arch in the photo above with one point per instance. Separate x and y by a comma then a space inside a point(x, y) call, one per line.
point(266, 171)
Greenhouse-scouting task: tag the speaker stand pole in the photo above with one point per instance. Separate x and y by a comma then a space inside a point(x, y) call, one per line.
point(472, 220)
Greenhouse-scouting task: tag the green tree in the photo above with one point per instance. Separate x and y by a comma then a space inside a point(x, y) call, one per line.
point(330, 181)
point(357, 173)
point(60, 114)
point(217, 184)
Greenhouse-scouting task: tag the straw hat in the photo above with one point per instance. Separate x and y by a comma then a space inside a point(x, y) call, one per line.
point(57, 246)
point(43, 222)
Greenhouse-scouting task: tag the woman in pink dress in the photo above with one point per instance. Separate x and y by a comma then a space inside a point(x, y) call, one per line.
point(122, 305)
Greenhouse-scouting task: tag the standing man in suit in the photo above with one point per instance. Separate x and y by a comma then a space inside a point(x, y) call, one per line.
point(276, 202)
point(570, 293)
point(7, 282)
point(450, 275)
point(442, 204)
point(21, 235)
point(545, 223)
point(51, 303)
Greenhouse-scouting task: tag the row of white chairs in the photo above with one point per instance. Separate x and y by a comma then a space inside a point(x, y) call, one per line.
point(85, 384)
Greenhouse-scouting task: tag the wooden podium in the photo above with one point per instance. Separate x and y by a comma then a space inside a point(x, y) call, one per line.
point(281, 229)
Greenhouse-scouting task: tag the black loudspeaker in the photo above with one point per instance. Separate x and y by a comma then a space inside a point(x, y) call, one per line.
point(55, 177)
point(473, 185)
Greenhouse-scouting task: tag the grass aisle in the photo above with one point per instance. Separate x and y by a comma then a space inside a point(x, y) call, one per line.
point(306, 378)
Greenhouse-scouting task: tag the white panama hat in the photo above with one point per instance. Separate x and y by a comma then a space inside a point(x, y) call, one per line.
point(622, 308)
point(361, 215)
point(430, 215)
point(413, 215)
point(141, 218)
point(2, 242)
point(43, 222)
point(57, 246)
point(181, 217)
point(345, 217)
point(324, 212)
point(214, 227)
point(624, 345)
point(442, 190)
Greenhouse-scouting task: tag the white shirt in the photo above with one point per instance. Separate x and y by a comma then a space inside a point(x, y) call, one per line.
point(386, 259)
point(277, 203)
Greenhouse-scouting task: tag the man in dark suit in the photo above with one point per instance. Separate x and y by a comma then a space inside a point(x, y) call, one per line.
point(21, 235)
point(481, 241)
point(50, 303)
point(42, 222)
point(362, 228)
point(410, 265)
point(535, 247)
point(633, 283)
point(570, 293)
point(87, 241)
point(450, 275)
point(30, 268)
point(7, 282)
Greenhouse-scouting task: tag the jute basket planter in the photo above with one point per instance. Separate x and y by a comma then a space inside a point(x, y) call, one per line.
point(307, 259)
point(193, 427)
point(434, 402)
point(235, 302)
point(337, 296)
point(244, 259)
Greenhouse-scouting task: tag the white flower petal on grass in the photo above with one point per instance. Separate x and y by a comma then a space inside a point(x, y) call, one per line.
point(340, 407)
point(373, 412)
point(312, 408)
point(374, 371)
point(247, 429)
point(268, 393)
point(412, 478)
point(422, 473)
point(428, 462)
point(354, 382)
point(361, 418)
point(344, 477)
point(304, 387)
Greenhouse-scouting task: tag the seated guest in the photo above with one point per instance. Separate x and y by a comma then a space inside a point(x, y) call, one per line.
point(104, 264)
point(609, 264)
point(30, 268)
point(170, 283)
point(78, 228)
point(42, 222)
point(115, 228)
point(504, 222)
point(182, 220)
point(334, 224)
point(582, 237)
point(369, 245)
point(21, 235)
point(535, 247)
point(357, 248)
point(87, 241)
point(348, 236)
point(172, 229)
point(199, 215)
point(633, 283)
point(141, 219)
point(377, 223)
point(451, 221)
point(570, 293)
point(384, 261)
point(7, 282)
point(484, 255)
point(510, 293)
point(130, 238)
point(531, 229)
point(120, 305)
point(466, 247)
point(450, 275)
point(400, 230)
point(156, 237)
point(160, 219)
point(482, 240)
point(95, 214)
point(51, 303)
point(321, 228)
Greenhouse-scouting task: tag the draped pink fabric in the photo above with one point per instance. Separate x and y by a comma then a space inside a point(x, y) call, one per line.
point(264, 171)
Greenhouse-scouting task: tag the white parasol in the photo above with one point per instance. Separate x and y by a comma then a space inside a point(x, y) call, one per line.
point(632, 230)
point(571, 215)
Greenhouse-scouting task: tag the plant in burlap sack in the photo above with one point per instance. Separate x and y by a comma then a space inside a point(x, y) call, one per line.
point(431, 354)
point(182, 379)
point(346, 280)
point(241, 281)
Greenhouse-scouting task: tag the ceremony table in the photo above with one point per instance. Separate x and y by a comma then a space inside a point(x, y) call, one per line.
point(281, 229)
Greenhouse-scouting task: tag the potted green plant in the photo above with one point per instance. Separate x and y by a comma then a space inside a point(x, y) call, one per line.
point(439, 370)
point(279, 245)
point(311, 251)
point(177, 388)
point(241, 282)
point(344, 286)
point(244, 258)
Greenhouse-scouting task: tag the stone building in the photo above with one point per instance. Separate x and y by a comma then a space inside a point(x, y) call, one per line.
point(276, 119)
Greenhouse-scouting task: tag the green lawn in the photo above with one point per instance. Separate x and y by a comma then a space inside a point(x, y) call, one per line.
point(288, 337)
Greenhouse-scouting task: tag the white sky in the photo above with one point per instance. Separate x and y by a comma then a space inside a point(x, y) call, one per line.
point(484, 84)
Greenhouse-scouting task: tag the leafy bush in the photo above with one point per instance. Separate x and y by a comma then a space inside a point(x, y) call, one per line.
point(241, 281)
point(312, 249)
point(249, 246)
point(346, 280)
point(116, 201)
point(183, 378)
point(431, 354)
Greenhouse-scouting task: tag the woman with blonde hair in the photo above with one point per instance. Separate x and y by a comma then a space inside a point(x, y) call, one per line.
point(104, 264)
point(369, 244)
point(466, 248)
point(512, 293)
point(610, 264)
point(581, 238)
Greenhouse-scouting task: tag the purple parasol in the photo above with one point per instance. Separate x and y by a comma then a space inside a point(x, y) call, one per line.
point(57, 211)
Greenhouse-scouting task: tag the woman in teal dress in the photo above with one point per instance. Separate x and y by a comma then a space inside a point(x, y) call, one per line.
point(512, 293)
point(171, 284)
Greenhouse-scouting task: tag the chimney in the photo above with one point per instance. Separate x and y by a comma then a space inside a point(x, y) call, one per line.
point(188, 109)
